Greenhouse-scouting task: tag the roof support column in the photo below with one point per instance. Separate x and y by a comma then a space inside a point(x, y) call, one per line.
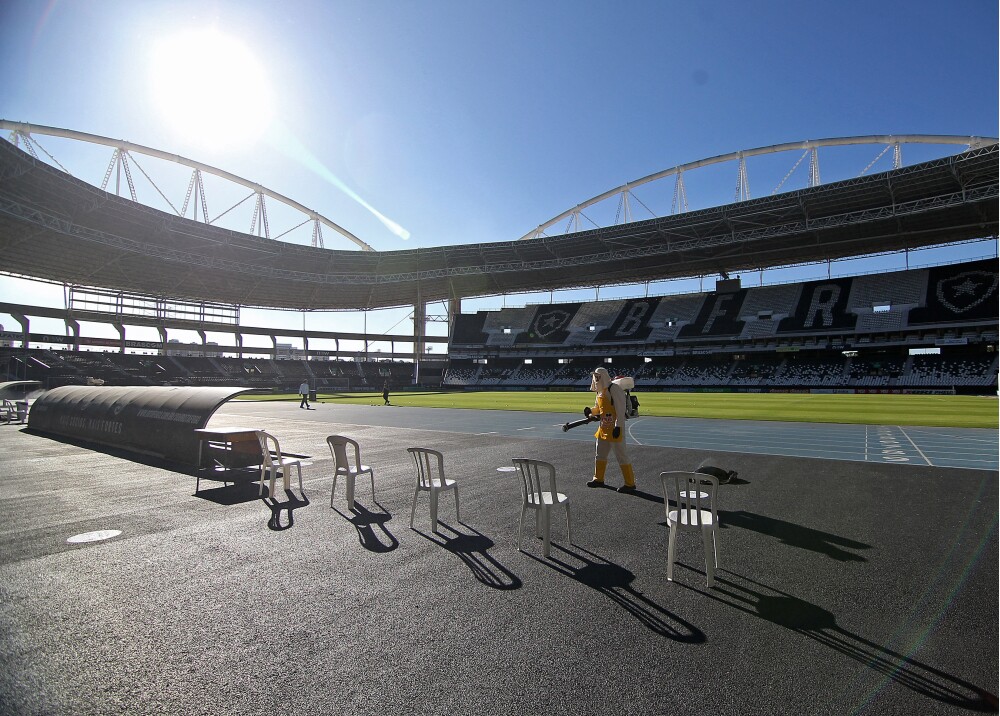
point(454, 310)
point(73, 326)
point(25, 326)
point(419, 333)
point(120, 327)
point(419, 328)
point(162, 330)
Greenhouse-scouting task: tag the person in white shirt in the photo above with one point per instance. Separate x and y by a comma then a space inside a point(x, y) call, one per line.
point(304, 392)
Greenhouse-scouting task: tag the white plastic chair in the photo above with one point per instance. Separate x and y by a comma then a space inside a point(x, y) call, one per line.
point(338, 448)
point(430, 478)
point(273, 462)
point(694, 494)
point(14, 410)
point(538, 493)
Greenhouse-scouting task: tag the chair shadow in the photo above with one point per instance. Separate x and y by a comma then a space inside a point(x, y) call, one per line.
point(291, 503)
point(474, 551)
point(833, 546)
point(816, 623)
point(244, 487)
point(658, 499)
point(365, 521)
point(615, 582)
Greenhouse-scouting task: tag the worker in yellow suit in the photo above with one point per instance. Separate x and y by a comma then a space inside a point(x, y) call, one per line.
point(609, 408)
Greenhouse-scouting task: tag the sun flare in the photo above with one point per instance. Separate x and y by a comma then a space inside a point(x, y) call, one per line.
point(209, 86)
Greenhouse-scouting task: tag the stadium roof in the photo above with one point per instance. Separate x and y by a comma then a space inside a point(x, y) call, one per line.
point(54, 227)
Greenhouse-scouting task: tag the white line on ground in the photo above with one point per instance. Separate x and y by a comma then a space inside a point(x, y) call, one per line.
point(919, 451)
point(634, 439)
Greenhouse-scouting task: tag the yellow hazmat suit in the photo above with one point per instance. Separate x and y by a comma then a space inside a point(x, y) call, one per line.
point(610, 408)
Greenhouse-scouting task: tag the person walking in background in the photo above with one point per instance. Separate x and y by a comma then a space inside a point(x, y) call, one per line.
point(304, 392)
point(385, 392)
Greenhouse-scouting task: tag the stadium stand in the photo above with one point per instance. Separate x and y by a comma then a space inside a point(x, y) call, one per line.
point(469, 329)
point(504, 327)
point(461, 374)
point(756, 370)
point(812, 373)
point(861, 333)
point(933, 371)
point(776, 301)
point(874, 372)
point(591, 320)
point(906, 288)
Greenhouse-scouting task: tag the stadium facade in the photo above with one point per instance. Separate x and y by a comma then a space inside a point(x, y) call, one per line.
point(870, 332)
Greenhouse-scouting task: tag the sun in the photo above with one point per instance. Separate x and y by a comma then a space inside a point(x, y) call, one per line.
point(210, 87)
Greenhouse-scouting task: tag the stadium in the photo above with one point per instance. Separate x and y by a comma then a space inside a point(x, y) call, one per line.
point(826, 535)
point(920, 329)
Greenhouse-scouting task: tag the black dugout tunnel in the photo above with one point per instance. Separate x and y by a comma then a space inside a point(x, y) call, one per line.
point(18, 389)
point(151, 420)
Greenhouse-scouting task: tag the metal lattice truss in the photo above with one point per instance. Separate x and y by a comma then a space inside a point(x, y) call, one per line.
point(123, 159)
point(57, 228)
point(570, 220)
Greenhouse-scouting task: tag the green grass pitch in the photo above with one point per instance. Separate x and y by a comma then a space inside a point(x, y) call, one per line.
point(956, 411)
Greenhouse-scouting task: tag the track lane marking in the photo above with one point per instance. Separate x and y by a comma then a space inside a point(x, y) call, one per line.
point(938, 447)
point(919, 451)
point(634, 438)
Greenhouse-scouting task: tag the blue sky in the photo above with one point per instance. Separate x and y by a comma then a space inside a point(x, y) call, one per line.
point(474, 121)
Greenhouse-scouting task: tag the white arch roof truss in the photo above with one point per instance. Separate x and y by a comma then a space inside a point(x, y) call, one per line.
point(809, 148)
point(120, 166)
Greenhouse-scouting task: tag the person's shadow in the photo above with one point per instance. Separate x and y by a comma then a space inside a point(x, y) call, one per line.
point(365, 522)
point(473, 548)
point(814, 622)
point(615, 582)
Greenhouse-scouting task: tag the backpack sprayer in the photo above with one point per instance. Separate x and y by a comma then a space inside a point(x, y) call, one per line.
point(627, 384)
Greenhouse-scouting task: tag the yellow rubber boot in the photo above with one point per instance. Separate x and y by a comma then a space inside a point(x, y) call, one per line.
point(628, 475)
point(600, 466)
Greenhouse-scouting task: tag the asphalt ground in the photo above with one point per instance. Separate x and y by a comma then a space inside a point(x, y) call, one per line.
point(845, 586)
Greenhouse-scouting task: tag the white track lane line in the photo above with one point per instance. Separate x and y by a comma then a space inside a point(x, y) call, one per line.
point(634, 439)
point(846, 442)
point(919, 451)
